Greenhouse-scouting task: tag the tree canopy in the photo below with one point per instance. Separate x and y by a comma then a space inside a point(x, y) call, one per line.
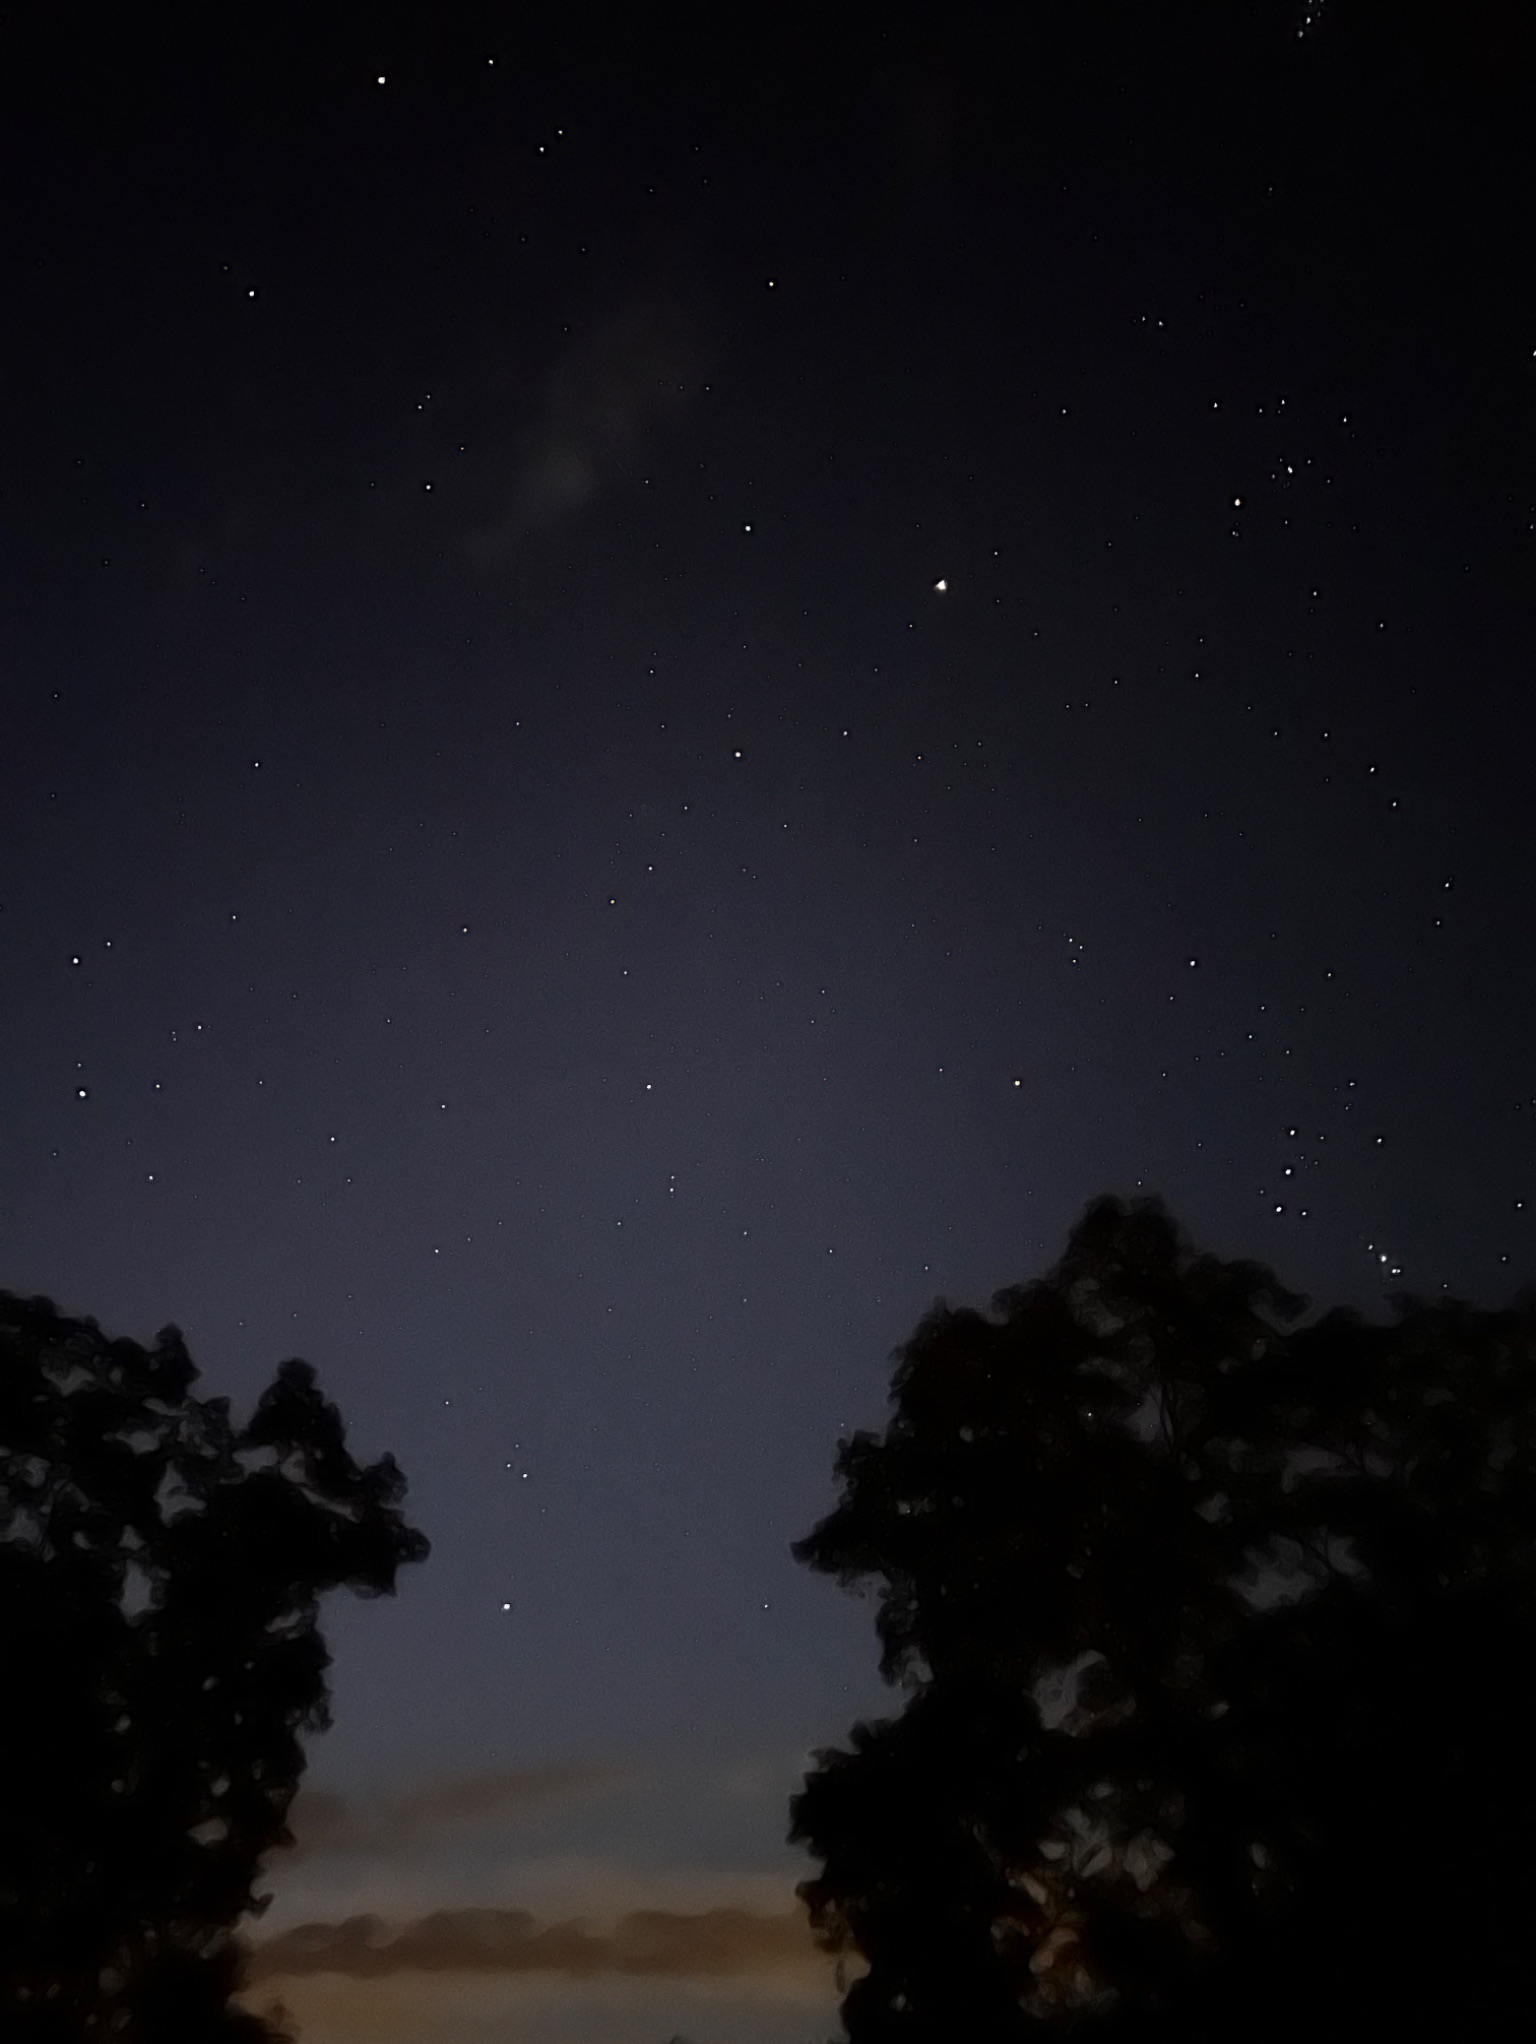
point(1215, 1623)
point(160, 1572)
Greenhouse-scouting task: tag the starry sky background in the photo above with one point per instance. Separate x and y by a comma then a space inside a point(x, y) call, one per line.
point(666, 685)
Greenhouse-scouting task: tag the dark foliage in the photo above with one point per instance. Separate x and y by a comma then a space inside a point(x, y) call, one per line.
point(1218, 1633)
point(160, 1571)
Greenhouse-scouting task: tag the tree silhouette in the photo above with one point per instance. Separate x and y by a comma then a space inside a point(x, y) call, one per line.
point(1216, 1629)
point(160, 1571)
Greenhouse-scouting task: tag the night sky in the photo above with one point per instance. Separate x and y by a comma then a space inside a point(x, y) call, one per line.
point(667, 685)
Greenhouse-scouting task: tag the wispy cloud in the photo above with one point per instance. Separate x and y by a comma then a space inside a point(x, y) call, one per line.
point(711, 1943)
point(621, 372)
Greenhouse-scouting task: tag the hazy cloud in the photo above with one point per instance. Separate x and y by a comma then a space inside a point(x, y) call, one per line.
point(549, 2008)
point(645, 1941)
point(323, 1822)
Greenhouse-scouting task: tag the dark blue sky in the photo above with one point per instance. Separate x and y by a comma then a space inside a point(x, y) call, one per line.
point(520, 886)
